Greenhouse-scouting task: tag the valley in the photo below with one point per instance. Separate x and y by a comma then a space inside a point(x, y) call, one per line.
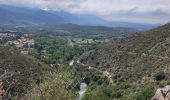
point(57, 51)
point(118, 68)
point(84, 50)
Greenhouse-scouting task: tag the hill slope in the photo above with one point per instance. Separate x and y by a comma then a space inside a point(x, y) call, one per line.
point(18, 71)
point(90, 31)
point(137, 60)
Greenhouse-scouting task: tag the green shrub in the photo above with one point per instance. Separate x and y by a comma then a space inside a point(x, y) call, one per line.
point(146, 92)
point(97, 93)
point(54, 87)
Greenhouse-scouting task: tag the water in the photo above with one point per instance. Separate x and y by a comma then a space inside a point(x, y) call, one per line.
point(83, 88)
point(71, 62)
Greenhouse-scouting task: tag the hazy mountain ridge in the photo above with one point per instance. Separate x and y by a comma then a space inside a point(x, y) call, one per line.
point(17, 15)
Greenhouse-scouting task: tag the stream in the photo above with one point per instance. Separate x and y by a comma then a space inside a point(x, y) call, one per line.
point(83, 88)
point(71, 62)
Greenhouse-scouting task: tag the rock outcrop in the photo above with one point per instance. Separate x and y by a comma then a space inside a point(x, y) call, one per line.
point(162, 93)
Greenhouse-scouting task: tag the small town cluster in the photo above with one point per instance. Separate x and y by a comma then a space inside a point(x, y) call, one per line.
point(19, 40)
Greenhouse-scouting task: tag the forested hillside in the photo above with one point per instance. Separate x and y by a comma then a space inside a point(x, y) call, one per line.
point(136, 65)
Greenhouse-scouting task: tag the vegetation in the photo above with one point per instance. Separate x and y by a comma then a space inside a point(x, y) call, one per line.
point(76, 31)
point(160, 76)
point(146, 92)
point(54, 87)
point(4, 40)
point(137, 60)
point(123, 70)
point(51, 49)
point(18, 71)
point(27, 78)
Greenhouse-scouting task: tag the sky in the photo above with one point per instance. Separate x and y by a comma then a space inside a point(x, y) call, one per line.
point(137, 11)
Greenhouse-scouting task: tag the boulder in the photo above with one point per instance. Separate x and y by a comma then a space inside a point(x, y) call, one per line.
point(162, 93)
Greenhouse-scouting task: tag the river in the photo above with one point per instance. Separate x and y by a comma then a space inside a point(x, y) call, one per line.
point(83, 88)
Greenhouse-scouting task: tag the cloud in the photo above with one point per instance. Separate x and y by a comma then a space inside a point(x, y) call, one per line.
point(144, 11)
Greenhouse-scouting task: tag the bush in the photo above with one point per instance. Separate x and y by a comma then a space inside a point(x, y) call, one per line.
point(146, 93)
point(54, 87)
point(159, 76)
point(97, 93)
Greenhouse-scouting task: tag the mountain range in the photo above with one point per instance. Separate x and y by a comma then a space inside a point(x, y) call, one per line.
point(20, 15)
point(16, 15)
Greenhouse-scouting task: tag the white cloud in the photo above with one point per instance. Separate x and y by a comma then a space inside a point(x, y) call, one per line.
point(146, 11)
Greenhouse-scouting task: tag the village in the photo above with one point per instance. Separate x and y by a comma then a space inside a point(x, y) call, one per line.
point(19, 40)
